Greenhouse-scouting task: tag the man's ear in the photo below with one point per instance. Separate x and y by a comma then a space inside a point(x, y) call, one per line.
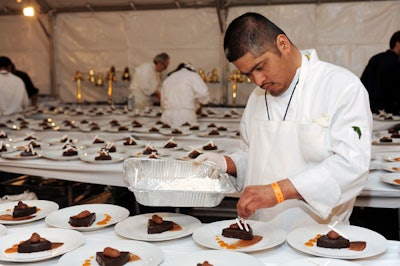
point(283, 43)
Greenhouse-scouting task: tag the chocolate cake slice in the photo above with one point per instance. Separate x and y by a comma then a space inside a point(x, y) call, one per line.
point(157, 225)
point(34, 244)
point(205, 263)
point(22, 210)
point(332, 240)
point(112, 257)
point(83, 219)
point(234, 231)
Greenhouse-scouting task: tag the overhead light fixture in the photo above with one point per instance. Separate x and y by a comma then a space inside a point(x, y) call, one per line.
point(28, 11)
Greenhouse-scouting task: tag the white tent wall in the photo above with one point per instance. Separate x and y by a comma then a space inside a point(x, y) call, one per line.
point(26, 44)
point(120, 39)
point(346, 34)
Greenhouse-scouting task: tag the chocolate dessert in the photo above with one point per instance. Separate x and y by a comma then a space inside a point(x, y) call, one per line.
point(83, 219)
point(130, 141)
point(157, 225)
point(205, 263)
point(332, 240)
point(70, 151)
point(34, 144)
point(170, 144)
point(149, 150)
point(97, 140)
point(210, 146)
point(194, 154)
point(154, 129)
point(195, 127)
point(213, 132)
point(3, 147)
point(22, 210)
point(234, 231)
point(176, 131)
point(34, 244)
point(212, 125)
point(385, 139)
point(221, 128)
point(122, 128)
point(103, 156)
point(165, 126)
point(28, 151)
point(30, 137)
point(395, 135)
point(112, 257)
point(186, 124)
point(3, 135)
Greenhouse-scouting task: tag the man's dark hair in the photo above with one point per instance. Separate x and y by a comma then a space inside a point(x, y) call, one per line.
point(161, 58)
point(5, 61)
point(250, 33)
point(395, 38)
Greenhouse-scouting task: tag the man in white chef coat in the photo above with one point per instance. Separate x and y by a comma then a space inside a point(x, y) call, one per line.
point(305, 132)
point(146, 82)
point(14, 98)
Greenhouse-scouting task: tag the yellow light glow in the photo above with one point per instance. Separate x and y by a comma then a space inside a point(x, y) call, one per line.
point(28, 11)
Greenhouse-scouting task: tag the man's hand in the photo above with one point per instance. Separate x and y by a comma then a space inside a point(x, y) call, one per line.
point(217, 158)
point(255, 197)
point(263, 196)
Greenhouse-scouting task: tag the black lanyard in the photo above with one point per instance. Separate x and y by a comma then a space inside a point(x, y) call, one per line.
point(287, 108)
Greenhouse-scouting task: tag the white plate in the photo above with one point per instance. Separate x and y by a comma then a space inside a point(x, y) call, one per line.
point(222, 134)
point(376, 243)
point(214, 257)
point(150, 254)
point(319, 261)
point(390, 178)
point(168, 132)
point(206, 235)
point(60, 218)
point(17, 156)
point(71, 239)
point(115, 158)
point(57, 155)
point(135, 227)
point(139, 152)
point(45, 207)
point(391, 167)
point(391, 157)
point(3, 230)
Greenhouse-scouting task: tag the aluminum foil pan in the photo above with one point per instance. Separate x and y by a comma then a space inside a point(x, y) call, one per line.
point(176, 183)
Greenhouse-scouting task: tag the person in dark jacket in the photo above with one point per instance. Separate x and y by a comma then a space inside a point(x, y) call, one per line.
point(381, 77)
point(32, 91)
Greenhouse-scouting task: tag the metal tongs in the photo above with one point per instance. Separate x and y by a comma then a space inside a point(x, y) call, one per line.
point(243, 221)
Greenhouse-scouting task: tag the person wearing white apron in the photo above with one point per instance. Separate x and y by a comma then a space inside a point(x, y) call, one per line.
point(146, 82)
point(305, 134)
point(183, 95)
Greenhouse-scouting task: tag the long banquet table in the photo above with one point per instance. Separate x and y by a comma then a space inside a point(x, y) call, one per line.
point(176, 247)
point(375, 194)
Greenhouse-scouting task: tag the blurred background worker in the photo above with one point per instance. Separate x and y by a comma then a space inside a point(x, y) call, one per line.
point(32, 91)
point(13, 98)
point(183, 95)
point(146, 82)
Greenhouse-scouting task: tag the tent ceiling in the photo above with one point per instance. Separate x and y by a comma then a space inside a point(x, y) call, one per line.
point(14, 7)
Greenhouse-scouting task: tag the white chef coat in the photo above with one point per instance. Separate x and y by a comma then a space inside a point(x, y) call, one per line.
point(145, 81)
point(316, 147)
point(13, 97)
point(181, 94)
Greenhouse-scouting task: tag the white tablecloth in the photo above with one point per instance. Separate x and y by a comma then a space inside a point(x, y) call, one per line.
point(173, 248)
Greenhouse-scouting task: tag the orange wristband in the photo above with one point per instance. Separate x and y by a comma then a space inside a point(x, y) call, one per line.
point(278, 192)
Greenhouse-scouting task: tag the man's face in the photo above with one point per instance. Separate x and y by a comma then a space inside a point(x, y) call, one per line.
point(269, 71)
point(160, 67)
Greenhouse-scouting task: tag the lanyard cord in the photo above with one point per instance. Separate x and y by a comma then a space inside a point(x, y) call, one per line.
point(287, 107)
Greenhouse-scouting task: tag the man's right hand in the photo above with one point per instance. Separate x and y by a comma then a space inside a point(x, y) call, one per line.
point(217, 158)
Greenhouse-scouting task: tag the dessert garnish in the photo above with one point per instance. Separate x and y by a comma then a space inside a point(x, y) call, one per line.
point(170, 144)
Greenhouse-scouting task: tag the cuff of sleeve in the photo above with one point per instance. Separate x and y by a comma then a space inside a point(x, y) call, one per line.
point(240, 160)
point(314, 186)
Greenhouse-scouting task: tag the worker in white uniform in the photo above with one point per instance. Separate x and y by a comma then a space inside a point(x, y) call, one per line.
point(146, 82)
point(305, 132)
point(183, 95)
point(14, 98)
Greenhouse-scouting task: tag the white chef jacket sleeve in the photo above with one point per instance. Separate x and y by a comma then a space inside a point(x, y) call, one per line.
point(200, 89)
point(342, 175)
